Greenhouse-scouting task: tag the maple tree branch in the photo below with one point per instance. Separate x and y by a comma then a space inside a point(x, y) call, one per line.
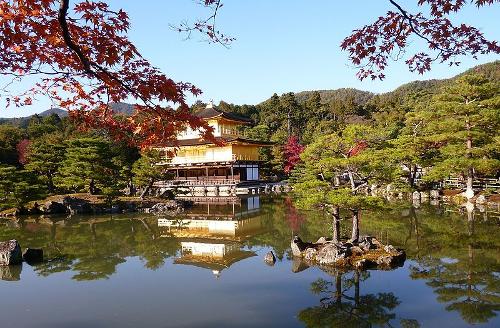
point(206, 26)
point(87, 64)
point(61, 18)
point(412, 27)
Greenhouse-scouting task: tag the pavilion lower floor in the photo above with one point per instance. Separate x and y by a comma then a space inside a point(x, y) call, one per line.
point(215, 173)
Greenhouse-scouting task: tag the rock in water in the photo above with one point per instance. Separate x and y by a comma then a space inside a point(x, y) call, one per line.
point(10, 253)
point(331, 254)
point(298, 246)
point(367, 242)
point(310, 254)
point(33, 255)
point(51, 207)
point(11, 272)
point(270, 258)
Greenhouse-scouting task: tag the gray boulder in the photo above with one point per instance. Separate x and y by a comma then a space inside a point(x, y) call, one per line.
point(395, 257)
point(270, 258)
point(367, 242)
point(323, 240)
point(51, 207)
point(310, 254)
point(298, 246)
point(364, 264)
point(77, 206)
point(356, 251)
point(331, 254)
point(171, 207)
point(10, 253)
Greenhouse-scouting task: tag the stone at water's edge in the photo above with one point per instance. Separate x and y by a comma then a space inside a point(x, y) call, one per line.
point(366, 253)
point(270, 258)
point(10, 253)
point(51, 207)
point(33, 255)
point(298, 246)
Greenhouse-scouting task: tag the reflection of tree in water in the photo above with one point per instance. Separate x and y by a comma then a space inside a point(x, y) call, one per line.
point(468, 283)
point(93, 248)
point(343, 304)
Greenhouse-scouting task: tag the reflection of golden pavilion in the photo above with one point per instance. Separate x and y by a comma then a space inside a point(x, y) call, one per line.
point(211, 234)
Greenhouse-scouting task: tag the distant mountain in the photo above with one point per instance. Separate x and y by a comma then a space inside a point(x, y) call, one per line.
point(119, 108)
point(54, 110)
point(360, 97)
point(122, 108)
point(401, 93)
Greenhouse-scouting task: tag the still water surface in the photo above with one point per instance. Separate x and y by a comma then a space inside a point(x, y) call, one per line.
point(205, 268)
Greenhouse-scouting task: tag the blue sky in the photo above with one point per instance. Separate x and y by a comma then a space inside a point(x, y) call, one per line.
point(281, 46)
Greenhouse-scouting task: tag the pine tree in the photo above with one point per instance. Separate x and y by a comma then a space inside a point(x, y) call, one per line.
point(18, 187)
point(45, 157)
point(87, 166)
point(335, 168)
point(463, 123)
point(146, 172)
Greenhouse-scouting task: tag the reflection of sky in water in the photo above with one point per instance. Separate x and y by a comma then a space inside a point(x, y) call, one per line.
point(247, 292)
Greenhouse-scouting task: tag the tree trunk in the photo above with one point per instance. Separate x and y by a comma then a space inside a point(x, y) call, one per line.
point(469, 192)
point(351, 179)
point(338, 288)
point(50, 184)
point(336, 224)
point(356, 289)
point(413, 214)
point(413, 173)
point(355, 225)
point(337, 180)
point(92, 187)
point(147, 189)
point(470, 228)
point(289, 125)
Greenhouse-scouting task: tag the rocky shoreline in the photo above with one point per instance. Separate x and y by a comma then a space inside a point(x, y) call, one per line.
point(366, 253)
point(83, 204)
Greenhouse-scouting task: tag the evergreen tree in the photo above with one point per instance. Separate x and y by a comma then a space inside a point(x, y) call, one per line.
point(463, 123)
point(335, 169)
point(87, 166)
point(39, 126)
point(45, 157)
point(18, 187)
point(146, 172)
point(293, 114)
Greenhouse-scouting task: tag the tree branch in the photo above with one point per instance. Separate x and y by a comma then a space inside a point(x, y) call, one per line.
point(412, 27)
point(63, 11)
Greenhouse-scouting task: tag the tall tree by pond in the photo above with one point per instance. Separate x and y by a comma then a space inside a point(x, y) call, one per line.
point(462, 124)
point(336, 169)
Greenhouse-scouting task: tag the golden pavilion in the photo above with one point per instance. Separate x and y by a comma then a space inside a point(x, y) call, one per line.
point(197, 161)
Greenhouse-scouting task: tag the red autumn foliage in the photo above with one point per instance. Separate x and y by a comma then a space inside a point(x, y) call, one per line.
point(371, 46)
point(292, 215)
point(22, 151)
point(291, 152)
point(358, 148)
point(84, 60)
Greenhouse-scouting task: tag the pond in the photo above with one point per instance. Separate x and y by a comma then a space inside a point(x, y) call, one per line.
point(205, 268)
